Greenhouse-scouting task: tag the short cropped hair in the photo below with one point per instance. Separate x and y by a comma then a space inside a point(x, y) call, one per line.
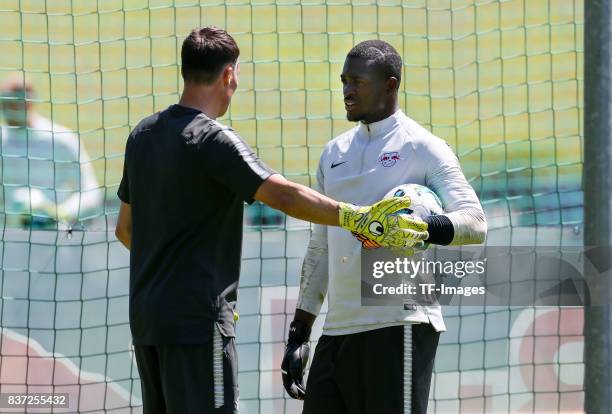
point(205, 53)
point(384, 56)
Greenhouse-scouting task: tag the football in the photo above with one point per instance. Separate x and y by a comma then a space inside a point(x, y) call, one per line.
point(424, 202)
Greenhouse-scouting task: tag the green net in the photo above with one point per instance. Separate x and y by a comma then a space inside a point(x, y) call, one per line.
point(500, 81)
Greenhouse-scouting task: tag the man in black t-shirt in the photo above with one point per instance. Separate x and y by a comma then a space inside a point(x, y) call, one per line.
point(185, 180)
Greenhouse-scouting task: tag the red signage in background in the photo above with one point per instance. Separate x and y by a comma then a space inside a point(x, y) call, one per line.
point(27, 368)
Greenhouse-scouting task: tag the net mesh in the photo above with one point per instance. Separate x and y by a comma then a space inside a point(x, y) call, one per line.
point(500, 81)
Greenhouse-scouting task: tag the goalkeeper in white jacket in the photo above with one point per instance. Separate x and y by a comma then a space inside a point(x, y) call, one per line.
point(374, 360)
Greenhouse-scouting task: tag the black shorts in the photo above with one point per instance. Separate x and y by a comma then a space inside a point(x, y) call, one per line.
point(185, 379)
point(373, 372)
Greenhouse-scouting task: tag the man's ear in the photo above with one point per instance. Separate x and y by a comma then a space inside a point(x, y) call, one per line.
point(392, 84)
point(228, 73)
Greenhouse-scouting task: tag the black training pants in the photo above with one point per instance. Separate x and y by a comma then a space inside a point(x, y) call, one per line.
point(189, 379)
point(383, 371)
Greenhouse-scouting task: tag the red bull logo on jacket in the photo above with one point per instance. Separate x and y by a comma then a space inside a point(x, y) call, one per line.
point(389, 159)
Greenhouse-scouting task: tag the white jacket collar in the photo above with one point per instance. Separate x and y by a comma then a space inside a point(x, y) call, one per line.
point(379, 128)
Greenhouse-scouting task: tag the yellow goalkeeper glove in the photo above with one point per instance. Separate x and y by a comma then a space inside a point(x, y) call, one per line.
point(385, 223)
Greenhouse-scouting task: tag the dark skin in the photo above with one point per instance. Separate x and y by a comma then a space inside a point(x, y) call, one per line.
point(369, 97)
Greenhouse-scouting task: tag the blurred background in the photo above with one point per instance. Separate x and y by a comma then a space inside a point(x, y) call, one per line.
point(500, 81)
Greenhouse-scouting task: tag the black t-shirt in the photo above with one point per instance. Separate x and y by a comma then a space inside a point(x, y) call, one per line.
point(186, 178)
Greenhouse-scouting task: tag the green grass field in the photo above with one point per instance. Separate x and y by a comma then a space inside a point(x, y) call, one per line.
point(500, 81)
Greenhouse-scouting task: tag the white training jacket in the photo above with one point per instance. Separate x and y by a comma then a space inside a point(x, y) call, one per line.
point(360, 166)
point(46, 164)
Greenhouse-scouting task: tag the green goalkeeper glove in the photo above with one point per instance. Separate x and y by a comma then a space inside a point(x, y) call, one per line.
point(384, 223)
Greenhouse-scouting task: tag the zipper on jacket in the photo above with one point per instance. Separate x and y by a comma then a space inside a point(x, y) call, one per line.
point(363, 152)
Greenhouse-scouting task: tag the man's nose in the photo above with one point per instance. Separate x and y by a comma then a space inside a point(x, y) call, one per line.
point(348, 90)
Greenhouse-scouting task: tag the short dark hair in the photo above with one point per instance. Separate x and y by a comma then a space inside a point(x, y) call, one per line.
point(384, 56)
point(205, 53)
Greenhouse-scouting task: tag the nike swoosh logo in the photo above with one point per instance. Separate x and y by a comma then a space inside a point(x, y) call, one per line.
point(334, 165)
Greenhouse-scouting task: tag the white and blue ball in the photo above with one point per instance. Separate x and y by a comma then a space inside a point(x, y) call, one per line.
point(424, 202)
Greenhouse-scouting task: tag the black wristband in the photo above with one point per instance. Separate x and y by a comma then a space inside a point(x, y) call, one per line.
point(441, 230)
point(299, 332)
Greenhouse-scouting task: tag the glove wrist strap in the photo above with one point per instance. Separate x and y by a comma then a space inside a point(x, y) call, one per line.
point(441, 230)
point(299, 332)
point(345, 212)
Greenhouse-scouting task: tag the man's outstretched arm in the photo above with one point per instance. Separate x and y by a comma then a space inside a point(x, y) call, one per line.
point(380, 222)
point(298, 201)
